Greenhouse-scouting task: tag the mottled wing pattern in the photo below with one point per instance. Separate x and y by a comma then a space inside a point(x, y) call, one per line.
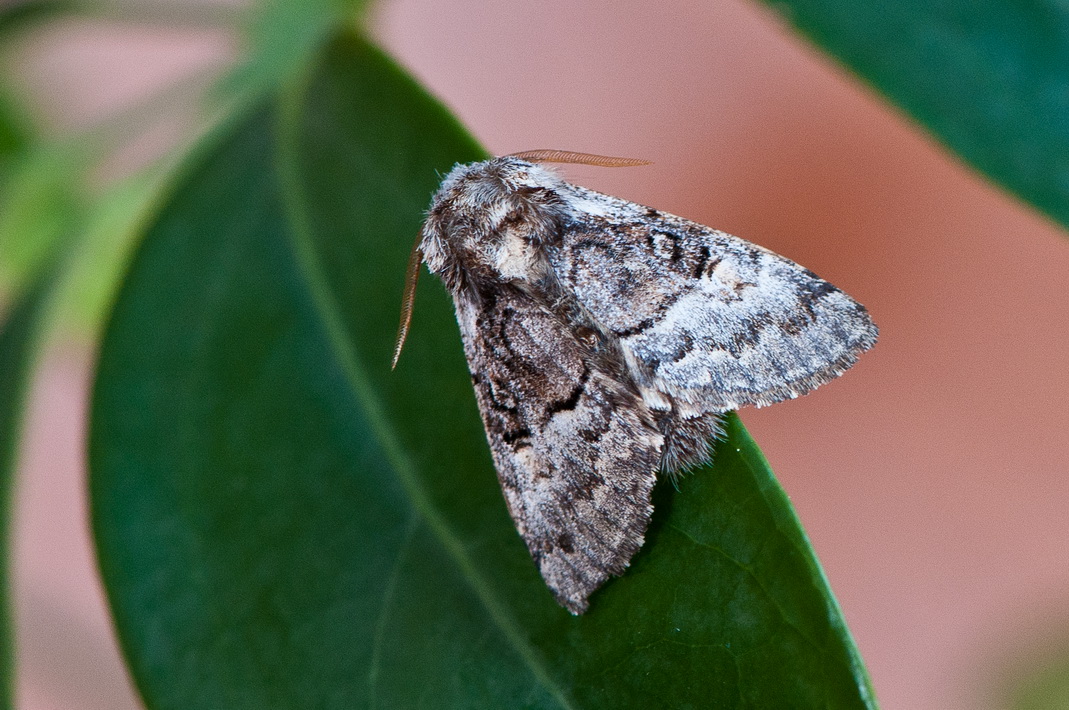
point(575, 447)
point(703, 316)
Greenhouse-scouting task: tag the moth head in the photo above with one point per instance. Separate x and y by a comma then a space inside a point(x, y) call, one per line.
point(485, 213)
point(490, 222)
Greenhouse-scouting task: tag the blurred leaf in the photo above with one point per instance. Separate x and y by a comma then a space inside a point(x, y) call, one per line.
point(283, 522)
point(100, 253)
point(18, 345)
point(14, 127)
point(44, 200)
point(14, 135)
point(990, 78)
point(40, 204)
point(1047, 689)
point(1036, 679)
point(282, 36)
point(44, 204)
point(17, 15)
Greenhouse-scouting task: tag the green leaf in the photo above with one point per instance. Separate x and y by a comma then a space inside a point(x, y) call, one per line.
point(40, 205)
point(106, 235)
point(280, 35)
point(1046, 688)
point(989, 78)
point(44, 206)
point(283, 522)
point(18, 15)
point(19, 335)
point(1035, 678)
point(14, 135)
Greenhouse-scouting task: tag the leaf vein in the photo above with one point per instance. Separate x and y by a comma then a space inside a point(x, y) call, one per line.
point(364, 397)
point(756, 579)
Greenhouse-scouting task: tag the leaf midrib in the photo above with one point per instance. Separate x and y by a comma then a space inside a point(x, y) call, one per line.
point(360, 389)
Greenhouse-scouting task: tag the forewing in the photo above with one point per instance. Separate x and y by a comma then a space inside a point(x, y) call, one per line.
point(576, 449)
point(703, 316)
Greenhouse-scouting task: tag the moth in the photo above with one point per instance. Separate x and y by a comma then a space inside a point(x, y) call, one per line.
point(606, 340)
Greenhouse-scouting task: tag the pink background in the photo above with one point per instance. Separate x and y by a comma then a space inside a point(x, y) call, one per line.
point(931, 478)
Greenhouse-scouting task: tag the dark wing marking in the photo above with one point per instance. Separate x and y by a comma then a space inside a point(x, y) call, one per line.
point(705, 317)
point(576, 449)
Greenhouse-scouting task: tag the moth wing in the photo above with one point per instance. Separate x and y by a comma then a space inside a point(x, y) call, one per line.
point(704, 316)
point(576, 450)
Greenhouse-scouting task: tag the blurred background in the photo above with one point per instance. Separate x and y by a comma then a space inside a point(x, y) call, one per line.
point(931, 478)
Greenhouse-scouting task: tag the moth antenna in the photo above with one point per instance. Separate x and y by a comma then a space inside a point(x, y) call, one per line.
point(408, 302)
point(568, 156)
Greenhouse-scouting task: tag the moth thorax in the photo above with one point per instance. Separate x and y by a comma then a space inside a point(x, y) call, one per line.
point(519, 257)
